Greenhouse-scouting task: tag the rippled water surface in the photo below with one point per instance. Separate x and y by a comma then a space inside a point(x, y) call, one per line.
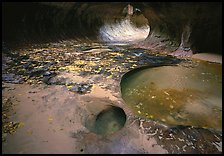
point(177, 95)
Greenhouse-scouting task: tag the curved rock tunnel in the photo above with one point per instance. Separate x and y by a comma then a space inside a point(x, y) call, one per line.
point(181, 26)
point(87, 77)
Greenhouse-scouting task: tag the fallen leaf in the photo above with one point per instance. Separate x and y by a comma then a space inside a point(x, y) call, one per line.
point(50, 119)
point(109, 76)
point(21, 124)
point(29, 132)
point(69, 87)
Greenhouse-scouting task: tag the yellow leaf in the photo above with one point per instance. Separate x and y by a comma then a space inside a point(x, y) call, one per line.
point(80, 62)
point(94, 86)
point(21, 124)
point(109, 76)
point(29, 132)
point(50, 119)
point(69, 87)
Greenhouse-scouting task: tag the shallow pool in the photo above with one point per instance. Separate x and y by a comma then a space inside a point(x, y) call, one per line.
point(186, 94)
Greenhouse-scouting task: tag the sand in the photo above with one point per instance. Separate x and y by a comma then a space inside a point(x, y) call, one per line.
point(208, 57)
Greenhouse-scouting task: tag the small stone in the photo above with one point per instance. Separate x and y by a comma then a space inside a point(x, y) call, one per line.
point(47, 73)
point(38, 71)
point(12, 78)
point(81, 88)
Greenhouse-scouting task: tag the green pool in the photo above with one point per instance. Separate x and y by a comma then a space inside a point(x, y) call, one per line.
point(184, 94)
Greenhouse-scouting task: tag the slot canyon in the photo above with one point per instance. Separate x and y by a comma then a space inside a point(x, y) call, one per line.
point(111, 77)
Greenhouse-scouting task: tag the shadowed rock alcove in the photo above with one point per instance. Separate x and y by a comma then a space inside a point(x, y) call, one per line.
point(182, 28)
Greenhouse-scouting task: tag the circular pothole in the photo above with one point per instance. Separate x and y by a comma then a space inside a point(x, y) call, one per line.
point(108, 121)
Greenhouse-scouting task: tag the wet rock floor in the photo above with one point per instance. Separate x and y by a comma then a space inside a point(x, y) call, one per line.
point(59, 86)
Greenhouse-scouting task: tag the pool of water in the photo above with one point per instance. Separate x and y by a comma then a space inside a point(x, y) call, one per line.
point(108, 121)
point(185, 94)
